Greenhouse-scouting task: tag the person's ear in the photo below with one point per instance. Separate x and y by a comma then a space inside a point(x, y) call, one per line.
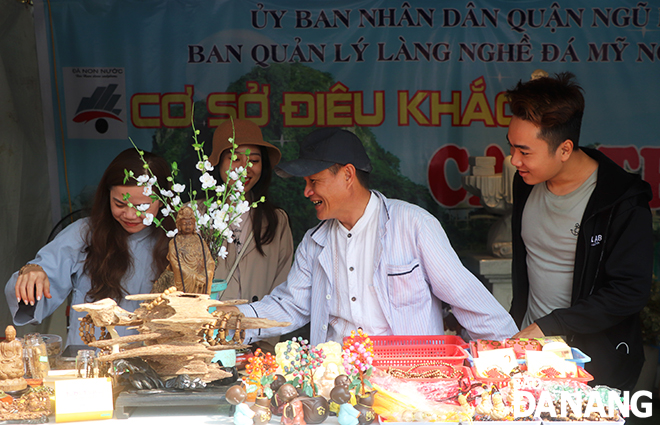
point(566, 149)
point(349, 172)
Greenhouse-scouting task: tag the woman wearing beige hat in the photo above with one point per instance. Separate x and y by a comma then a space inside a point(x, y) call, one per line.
point(262, 252)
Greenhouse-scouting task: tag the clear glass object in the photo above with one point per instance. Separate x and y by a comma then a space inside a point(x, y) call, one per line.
point(86, 363)
point(35, 355)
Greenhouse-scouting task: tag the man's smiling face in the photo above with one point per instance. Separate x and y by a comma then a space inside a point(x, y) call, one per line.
point(530, 154)
point(328, 192)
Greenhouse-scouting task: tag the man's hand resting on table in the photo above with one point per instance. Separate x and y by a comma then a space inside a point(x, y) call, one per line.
point(531, 331)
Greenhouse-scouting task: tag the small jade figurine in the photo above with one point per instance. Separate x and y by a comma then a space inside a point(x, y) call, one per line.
point(348, 415)
point(243, 415)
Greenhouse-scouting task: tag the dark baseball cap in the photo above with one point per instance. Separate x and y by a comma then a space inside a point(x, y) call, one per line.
point(322, 149)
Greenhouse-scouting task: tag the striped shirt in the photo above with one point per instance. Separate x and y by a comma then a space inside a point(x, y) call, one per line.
point(415, 269)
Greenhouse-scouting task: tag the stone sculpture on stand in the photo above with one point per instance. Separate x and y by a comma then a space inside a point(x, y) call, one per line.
point(191, 262)
point(11, 363)
point(496, 194)
point(177, 331)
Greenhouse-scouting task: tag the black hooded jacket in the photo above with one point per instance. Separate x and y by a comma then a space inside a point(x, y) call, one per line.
point(611, 277)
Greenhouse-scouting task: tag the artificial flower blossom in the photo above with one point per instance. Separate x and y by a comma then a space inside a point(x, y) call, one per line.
point(203, 220)
point(142, 179)
point(148, 219)
point(236, 173)
point(220, 224)
point(224, 204)
point(171, 233)
point(166, 210)
point(204, 166)
point(207, 181)
point(242, 207)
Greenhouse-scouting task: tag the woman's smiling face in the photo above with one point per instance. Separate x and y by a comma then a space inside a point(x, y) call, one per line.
point(125, 215)
point(253, 172)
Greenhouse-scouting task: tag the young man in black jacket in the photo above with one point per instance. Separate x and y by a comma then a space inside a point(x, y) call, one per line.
point(582, 234)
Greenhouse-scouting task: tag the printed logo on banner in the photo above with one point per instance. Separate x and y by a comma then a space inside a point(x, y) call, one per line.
point(95, 102)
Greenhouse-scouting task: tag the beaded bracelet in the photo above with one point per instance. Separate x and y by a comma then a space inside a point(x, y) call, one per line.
point(29, 268)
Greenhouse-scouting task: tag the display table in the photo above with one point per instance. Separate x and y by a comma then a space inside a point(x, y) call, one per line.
point(169, 415)
point(180, 415)
point(127, 402)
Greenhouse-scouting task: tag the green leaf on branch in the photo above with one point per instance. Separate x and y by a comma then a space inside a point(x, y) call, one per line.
point(269, 392)
point(267, 380)
point(307, 389)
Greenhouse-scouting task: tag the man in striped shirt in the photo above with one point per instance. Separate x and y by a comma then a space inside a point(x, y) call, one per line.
point(380, 264)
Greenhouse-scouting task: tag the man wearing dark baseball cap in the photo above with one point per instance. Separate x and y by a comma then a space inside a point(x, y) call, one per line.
point(324, 148)
point(380, 264)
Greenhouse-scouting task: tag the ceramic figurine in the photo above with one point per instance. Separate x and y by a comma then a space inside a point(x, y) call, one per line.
point(316, 409)
point(364, 406)
point(236, 396)
point(348, 415)
point(292, 411)
point(343, 381)
point(276, 404)
point(327, 381)
point(261, 408)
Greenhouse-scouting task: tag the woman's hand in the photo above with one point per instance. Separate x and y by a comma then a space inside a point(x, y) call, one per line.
point(32, 283)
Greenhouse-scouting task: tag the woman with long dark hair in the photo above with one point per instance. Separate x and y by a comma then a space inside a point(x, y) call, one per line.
point(110, 254)
point(260, 257)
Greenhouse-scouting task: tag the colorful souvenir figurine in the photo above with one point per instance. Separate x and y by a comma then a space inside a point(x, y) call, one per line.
point(276, 404)
point(316, 409)
point(292, 412)
point(236, 396)
point(327, 381)
point(340, 381)
point(357, 360)
point(365, 406)
point(261, 408)
point(348, 415)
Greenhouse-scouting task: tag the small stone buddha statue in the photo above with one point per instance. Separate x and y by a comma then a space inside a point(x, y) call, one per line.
point(11, 362)
point(190, 258)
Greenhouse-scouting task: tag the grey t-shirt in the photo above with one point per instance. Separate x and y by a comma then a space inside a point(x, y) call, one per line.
point(550, 227)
